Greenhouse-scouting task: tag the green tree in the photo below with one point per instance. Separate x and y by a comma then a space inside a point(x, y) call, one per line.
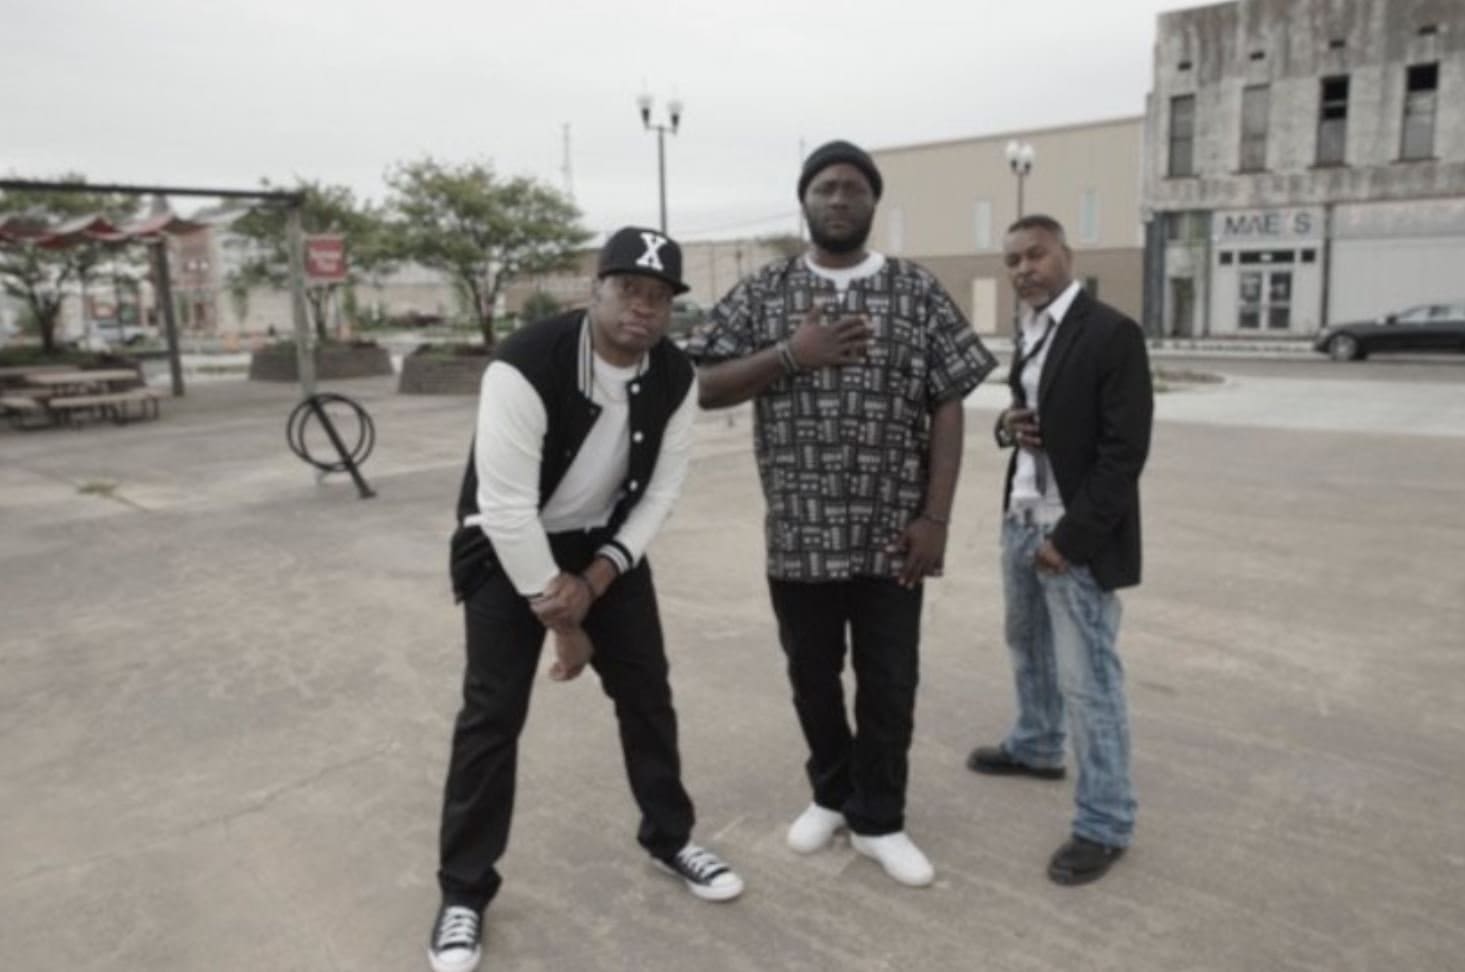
point(261, 234)
point(480, 230)
point(40, 277)
point(538, 306)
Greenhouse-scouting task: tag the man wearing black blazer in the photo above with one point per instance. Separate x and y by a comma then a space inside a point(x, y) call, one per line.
point(1080, 419)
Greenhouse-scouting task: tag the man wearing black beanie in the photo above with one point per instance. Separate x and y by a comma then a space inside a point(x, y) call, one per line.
point(857, 365)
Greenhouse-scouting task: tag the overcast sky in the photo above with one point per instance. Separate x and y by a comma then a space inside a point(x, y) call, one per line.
point(224, 92)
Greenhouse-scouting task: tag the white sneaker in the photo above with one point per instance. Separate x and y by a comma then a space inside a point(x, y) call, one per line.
point(814, 828)
point(901, 858)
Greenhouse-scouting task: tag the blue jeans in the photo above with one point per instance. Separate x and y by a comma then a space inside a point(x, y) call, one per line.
point(1061, 632)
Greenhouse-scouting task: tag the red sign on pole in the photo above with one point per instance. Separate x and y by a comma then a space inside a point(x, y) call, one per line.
point(325, 259)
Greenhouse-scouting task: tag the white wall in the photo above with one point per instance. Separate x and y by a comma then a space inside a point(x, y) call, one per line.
point(1373, 277)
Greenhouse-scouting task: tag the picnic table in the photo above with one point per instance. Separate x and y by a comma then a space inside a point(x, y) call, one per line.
point(51, 396)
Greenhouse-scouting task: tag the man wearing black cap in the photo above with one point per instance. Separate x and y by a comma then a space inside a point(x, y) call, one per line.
point(857, 364)
point(584, 429)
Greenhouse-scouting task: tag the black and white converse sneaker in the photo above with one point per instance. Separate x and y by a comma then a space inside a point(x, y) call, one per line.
point(454, 946)
point(704, 872)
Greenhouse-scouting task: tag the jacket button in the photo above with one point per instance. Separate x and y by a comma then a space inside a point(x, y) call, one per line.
point(635, 387)
point(637, 436)
point(634, 485)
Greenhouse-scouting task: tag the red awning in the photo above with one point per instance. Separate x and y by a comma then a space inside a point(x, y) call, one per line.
point(92, 229)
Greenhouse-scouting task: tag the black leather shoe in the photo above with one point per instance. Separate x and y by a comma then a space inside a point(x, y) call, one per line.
point(996, 761)
point(1081, 860)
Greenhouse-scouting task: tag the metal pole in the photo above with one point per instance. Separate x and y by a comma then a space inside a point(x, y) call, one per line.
point(1017, 304)
point(170, 322)
point(661, 171)
point(304, 345)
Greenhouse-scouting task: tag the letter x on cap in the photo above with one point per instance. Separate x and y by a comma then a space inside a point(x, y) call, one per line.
point(634, 249)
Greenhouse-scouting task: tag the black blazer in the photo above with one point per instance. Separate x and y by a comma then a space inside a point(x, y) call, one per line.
point(1095, 406)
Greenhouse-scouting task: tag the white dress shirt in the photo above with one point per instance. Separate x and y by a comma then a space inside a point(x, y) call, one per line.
point(1049, 504)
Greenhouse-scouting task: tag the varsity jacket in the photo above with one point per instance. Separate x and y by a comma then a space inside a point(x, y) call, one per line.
point(555, 357)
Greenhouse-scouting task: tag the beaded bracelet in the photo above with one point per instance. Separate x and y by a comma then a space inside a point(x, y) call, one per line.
point(786, 356)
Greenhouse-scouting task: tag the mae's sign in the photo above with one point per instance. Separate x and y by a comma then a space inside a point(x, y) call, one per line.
point(1267, 225)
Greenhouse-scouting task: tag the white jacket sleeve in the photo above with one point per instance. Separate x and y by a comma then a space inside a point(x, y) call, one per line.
point(662, 492)
point(508, 448)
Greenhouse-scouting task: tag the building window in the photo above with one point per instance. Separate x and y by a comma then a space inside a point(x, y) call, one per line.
point(895, 233)
point(1249, 311)
point(982, 224)
point(1279, 300)
point(1186, 227)
point(1182, 135)
point(1088, 216)
point(1332, 121)
point(1422, 83)
point(1255, 103)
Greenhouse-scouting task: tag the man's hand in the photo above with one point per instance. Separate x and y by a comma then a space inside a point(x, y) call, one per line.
point(1049, 559)
point(1021, 425)
point(923, 542)
point(564, 603)
point(816, 344)
point(572, 651)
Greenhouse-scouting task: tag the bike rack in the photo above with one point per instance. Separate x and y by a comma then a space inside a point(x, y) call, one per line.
point(349, 459)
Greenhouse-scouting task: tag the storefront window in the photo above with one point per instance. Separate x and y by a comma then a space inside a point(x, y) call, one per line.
point(1279, 300)
point(1264, 294)
point(1250, 300)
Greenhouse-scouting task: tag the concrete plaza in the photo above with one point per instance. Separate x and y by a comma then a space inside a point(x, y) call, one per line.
point(226, 694)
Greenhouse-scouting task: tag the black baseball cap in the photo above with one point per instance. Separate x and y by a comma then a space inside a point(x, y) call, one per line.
point(649, 252)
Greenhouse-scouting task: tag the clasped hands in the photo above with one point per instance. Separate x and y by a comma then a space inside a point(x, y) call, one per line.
point(562, 608)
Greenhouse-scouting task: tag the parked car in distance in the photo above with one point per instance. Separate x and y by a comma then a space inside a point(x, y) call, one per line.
point(1428, 327)
point(686, 316)
point(414, 318)
point(113, 333)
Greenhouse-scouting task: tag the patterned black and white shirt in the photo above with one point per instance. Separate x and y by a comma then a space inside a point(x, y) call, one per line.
point(843, 451)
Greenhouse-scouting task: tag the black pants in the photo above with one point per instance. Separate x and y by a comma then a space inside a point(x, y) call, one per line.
point(504, 644)
point(862, 773)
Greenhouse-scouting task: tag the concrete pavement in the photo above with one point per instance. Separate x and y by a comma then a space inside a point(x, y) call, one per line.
point(227, 693)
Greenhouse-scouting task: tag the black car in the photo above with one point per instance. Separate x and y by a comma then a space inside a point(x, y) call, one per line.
point(1428, 327)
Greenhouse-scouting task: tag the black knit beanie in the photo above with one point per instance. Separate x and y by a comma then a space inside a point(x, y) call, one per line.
point(832, 153)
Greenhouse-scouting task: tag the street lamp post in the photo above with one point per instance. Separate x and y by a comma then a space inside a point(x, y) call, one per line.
point(674, 119)
point(1020, 159)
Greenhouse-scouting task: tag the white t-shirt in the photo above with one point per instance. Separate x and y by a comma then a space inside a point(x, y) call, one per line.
point(508, 453)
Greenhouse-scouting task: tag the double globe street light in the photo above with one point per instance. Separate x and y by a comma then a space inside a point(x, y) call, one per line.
point(1020, 157)
point(674, 118)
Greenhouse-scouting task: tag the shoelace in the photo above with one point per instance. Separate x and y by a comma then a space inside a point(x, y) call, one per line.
point(700, 863)
point(458, 929)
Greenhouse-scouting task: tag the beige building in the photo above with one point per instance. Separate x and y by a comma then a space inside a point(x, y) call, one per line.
point(948, 204)
point(709, 267)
